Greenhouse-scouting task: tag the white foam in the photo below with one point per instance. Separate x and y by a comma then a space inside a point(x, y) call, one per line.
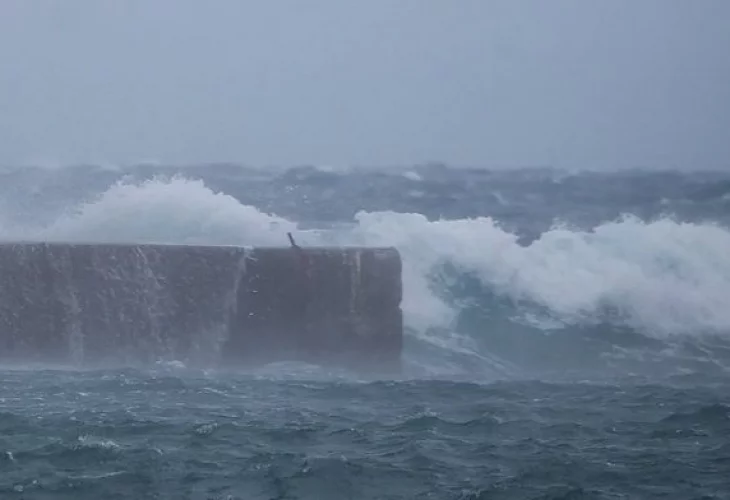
point(412, 176)
point(162, 211)
point(665, 277)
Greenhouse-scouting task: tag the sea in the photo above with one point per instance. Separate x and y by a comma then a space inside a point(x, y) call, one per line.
point(567, 336)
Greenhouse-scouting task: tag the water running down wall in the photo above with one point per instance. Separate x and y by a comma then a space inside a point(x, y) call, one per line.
point(101, 304)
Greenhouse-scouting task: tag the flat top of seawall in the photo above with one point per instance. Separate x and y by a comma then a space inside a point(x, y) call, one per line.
point(391, 251)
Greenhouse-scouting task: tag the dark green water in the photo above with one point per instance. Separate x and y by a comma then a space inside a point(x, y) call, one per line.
point(178, 434)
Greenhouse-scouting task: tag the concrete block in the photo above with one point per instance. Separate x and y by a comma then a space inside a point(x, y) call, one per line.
point(101, 304)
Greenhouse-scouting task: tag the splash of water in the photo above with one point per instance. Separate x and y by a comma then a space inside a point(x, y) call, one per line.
point(173, 210)
point(661, 278)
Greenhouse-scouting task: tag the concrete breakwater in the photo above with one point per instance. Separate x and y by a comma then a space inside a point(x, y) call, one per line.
point(100, 304)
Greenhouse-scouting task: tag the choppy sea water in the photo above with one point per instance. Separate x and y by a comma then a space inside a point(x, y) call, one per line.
point(566, 337)
point(212, 436)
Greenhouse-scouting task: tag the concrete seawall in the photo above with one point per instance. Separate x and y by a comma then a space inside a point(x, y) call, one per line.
point(102, 304)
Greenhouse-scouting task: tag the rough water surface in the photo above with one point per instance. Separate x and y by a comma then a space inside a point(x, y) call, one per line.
point(567, 337)
point(168, 434)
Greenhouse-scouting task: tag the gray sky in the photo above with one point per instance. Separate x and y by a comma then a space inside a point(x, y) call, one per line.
point(572, 83)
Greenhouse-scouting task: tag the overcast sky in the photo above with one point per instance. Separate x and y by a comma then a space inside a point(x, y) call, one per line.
point(569, 83)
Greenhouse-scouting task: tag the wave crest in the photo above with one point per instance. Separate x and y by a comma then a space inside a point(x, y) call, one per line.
point(466, 281)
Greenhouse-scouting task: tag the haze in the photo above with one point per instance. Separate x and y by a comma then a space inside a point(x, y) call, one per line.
point(568, 83)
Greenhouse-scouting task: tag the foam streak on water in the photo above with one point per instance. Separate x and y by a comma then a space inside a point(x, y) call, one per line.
point(177, 434)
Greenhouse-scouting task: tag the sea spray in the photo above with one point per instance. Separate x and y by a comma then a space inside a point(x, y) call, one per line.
point(474, 290)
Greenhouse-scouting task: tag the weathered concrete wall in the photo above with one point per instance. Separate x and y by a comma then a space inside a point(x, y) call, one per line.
point(104, 304)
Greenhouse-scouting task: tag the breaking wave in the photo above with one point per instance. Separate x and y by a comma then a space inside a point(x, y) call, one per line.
point(476, 298)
